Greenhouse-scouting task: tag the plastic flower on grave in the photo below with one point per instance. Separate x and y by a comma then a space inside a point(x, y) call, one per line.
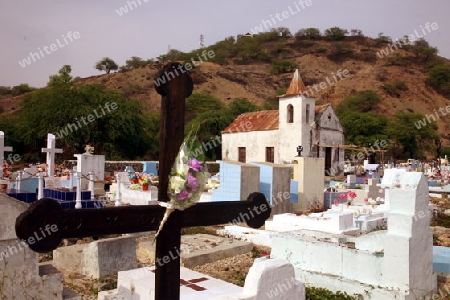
point(6, 169)
point(195, 165)
point(135, 186)
point(351, 194)
point(342, 196)
point(366, 200)
point(143, 179)
point(176, 184)
point(187, 179)
point(336, 202)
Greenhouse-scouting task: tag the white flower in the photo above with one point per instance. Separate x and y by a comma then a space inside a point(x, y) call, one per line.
point(177, 183)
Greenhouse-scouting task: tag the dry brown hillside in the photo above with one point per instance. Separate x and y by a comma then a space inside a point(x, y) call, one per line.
point(254, 81)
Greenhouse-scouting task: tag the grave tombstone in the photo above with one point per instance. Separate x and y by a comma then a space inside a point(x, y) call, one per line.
point(309, 173)
point(351, 180)
point(51, 150)
point(129, 219)
point(3, 149)
point(88, 162)
point(21, 276)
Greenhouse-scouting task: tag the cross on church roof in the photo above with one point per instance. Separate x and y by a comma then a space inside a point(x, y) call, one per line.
point(90, 222)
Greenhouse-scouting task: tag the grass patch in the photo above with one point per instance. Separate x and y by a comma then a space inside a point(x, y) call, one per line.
point(313, 293)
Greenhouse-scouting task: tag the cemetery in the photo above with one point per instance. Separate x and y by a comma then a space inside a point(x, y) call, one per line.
point(368, 236)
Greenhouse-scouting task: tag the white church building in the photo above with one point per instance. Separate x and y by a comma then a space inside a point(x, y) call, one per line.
point(275, 135)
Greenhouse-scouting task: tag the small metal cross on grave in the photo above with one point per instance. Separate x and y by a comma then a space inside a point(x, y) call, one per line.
point(174, 89)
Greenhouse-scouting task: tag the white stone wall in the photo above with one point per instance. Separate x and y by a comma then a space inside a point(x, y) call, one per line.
point(392, 264)
point(255, 143)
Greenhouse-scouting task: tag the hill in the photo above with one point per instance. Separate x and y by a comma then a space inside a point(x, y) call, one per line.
point(260, 67)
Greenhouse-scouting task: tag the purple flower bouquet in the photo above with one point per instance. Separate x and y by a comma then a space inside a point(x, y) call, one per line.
point(187, 180)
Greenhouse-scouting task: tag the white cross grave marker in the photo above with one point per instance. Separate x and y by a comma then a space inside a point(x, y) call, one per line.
point(51, 151)
point(3, 148)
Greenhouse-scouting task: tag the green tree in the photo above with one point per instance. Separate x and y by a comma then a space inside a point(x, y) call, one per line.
point(21, 89)
point(283, 66)
point(240, 106)
point(362, 128)
point(199, 103)
point(210, 124)
point(134, 62)
point(106, 64)
point(423, 50)
point(282, 31)
point(4, 90)
point(335, 33)
point(383, 39)
point(309, 34)
point(356, 32)
point(174, 54)
point(413, 140)
point(362, 101)
point(87, 114)
point(62, 78)
point(439, 79)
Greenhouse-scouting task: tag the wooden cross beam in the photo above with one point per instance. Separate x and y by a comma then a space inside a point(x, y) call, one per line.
point(33, 226)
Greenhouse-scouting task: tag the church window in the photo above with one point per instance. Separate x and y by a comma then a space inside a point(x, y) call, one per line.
point(290, 114)
point(307, 113)
point(270, 154)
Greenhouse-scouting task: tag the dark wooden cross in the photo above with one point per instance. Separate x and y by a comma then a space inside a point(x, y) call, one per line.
point(78, 223)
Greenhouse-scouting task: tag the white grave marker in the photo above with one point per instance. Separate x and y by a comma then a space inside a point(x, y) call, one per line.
point(51, 151)
point(3, 148)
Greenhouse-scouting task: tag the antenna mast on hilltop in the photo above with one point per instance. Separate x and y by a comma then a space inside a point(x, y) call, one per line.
point(202, 41)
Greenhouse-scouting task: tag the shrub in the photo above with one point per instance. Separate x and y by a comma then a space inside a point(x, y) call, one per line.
point(21, 89)
point(393, 89)
point(313, 293)
point(283, 66)
point(308, 34)
point(368, 56)
point(439, 79)
point(383, 39)
point(397, 61)
point(4, 90)
point(340, 52)
point(335, 34)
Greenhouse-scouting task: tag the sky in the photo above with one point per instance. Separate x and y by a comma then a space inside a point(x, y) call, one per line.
point(39, 37)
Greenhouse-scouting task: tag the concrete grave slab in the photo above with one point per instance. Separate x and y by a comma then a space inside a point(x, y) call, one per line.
point(199, 249)
point(140, 284)
point(255, 236)
point(99, 258)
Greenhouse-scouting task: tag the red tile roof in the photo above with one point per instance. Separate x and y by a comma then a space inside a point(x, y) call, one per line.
point(261, 120)
point(254, 121)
